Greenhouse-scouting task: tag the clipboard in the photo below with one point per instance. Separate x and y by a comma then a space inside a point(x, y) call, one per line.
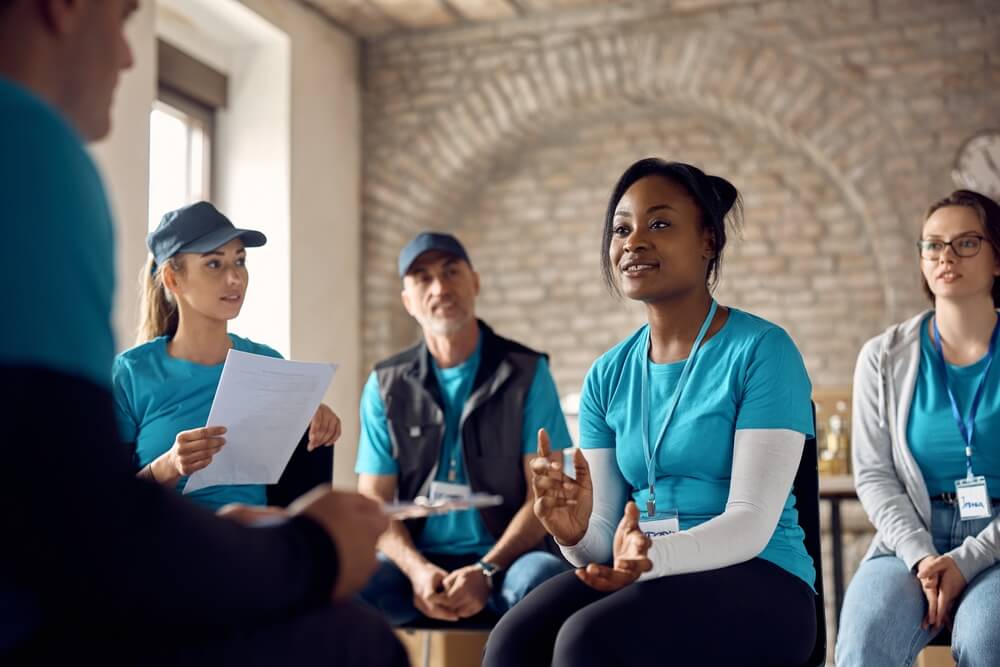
point(422, 506)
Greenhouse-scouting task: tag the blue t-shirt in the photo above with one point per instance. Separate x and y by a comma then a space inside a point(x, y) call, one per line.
point(58, 237)
point(158, 396)
point(57, 268)
point(749, 375)
point(457, 532)
point(932, 432)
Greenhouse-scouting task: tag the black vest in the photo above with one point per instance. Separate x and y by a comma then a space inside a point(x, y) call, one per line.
point(491, 423)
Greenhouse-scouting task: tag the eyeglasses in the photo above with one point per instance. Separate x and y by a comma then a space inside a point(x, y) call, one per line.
point(963, 246)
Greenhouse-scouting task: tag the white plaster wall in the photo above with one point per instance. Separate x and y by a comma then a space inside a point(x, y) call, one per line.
point(308, 289)
point(325, 208)
point(124, 162)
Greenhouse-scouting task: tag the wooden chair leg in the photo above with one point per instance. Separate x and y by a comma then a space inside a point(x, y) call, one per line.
point(935, 656)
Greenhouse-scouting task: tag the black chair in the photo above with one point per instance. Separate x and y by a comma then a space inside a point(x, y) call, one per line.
point(305, 471)
point(806, 490)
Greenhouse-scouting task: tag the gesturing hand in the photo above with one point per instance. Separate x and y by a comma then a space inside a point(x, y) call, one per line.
point(562, 504)
point(631, 548)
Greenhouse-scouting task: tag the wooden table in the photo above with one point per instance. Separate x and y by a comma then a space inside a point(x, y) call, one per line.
point(837, 488)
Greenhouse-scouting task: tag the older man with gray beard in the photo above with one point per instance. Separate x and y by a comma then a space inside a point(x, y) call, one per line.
point(458, 413)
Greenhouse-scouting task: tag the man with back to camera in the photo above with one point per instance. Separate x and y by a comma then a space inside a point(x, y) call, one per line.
point(96, 562)
point(458, 413)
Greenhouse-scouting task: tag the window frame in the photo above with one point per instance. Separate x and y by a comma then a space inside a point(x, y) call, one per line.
point(205, 116)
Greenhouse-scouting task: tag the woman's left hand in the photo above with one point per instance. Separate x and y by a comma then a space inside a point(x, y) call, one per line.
point(324, 429)
point(631, 547)
point(251, 515)
point(950, 584)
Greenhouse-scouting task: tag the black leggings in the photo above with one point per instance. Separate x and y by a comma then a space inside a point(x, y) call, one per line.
point(754, 613)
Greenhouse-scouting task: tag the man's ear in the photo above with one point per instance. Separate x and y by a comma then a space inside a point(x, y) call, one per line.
point(64, 17)
point(404, 296)
point(475, 281)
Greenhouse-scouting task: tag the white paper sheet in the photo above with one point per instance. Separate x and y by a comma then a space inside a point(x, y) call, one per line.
point(265, 405)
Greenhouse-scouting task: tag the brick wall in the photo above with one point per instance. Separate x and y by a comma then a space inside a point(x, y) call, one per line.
point(838, 120)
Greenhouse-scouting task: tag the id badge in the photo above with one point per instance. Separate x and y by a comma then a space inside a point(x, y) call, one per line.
point(569, 466)
point(662, 524)
point(449, 491)
point(973, 499)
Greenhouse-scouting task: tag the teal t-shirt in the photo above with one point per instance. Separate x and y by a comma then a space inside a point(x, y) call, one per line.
point(457, 532)
point(158, 396)
point(931, 430)
point(749, 375)
point(57, 269)
point(58, 237)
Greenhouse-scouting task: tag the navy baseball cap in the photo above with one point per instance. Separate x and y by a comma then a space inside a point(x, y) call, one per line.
point(196, 228)
point(425, 242)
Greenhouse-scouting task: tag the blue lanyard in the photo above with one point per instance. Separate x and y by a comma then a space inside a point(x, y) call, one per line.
point(644, 397)
point(967, 426)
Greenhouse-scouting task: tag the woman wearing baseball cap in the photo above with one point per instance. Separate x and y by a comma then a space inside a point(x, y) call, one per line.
point(194, 283)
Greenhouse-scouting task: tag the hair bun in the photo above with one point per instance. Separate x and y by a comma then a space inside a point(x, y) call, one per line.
point(725, 191)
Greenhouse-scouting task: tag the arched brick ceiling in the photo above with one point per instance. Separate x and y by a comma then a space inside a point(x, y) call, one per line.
point(453, 146)
point(373, 18)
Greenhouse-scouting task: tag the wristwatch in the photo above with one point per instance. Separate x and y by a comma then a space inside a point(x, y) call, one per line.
point(489, 569)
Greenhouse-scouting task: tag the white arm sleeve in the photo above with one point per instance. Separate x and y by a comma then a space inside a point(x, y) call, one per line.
point(610, 494)
point(764, 466)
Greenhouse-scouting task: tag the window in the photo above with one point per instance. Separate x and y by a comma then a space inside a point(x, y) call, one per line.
point(180, 158)
point(181, 131)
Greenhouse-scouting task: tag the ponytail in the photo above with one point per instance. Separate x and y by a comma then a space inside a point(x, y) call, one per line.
point(158, 308)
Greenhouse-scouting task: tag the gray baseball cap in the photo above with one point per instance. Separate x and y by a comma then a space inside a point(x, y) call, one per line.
point(196, 228)
point(425, 242)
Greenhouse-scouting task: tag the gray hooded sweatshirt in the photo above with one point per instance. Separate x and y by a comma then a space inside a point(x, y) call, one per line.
point(888, 479)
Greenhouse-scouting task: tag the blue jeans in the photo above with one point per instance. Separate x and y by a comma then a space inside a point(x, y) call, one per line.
point(390, 592)
point(884, 606)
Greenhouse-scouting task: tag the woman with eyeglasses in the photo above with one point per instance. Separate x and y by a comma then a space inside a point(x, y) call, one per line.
point(193, 284)
point(927, 456)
